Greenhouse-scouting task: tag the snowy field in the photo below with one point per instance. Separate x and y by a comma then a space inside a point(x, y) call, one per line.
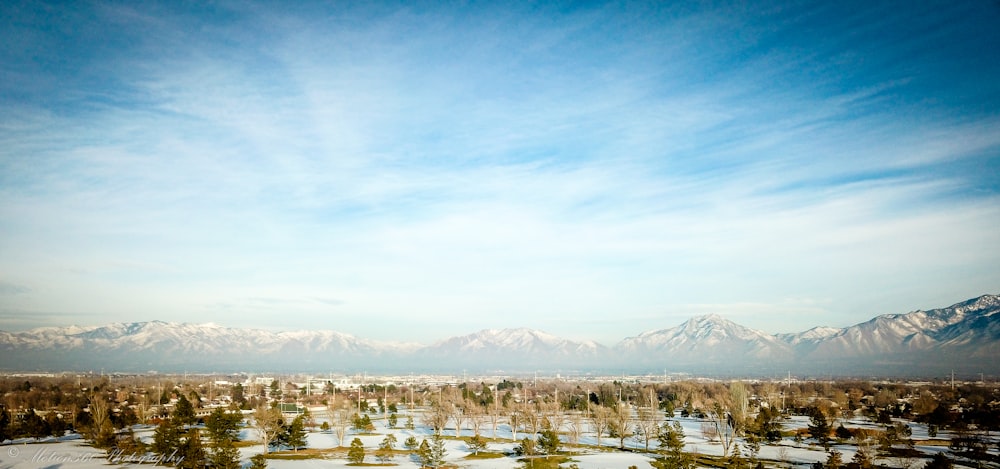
point(71, 452)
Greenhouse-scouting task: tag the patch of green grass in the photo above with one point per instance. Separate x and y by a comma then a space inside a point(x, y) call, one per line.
point(486, 455)
point(932, 442)
point(543, 462)
point(302, 454)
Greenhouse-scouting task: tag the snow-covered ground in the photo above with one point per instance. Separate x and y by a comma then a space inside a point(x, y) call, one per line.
point(71, 452)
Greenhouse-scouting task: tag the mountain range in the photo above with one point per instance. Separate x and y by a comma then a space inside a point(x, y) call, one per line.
point(964, 338)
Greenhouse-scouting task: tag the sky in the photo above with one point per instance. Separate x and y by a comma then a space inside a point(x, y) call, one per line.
point(411, 171)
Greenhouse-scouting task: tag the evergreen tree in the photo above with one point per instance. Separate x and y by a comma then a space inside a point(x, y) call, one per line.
point(834, 460)
point(224, 456)
point(939, 461)
point(393, 419)
point(32, 425)
point(385, 448)
point(166, 438)
point(237, 396)
point(735, 459)
point(548, 441)
point(223, 426)
point(126, 444)
point(528, 447)
point(57, 426)
point(862, 459)
point(184, 411)
point(192, 452)
point(258, 461)
point(5, 430)
point(424, 452)
point(437, 452)
point(819, 427)
point(362, 423)
point(296, 436)
point(356, 455)
point(672, 441)
point(476, 444)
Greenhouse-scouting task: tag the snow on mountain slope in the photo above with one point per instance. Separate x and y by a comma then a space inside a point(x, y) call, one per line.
point(518, 348)
point(146, 345)
point(915, 331)
point(965, 335)
point(707, 337)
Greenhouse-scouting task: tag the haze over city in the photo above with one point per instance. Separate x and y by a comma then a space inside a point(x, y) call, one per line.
point(411, 172)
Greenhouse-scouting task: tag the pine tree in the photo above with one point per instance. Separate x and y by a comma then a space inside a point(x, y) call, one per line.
point(834, 460)
point(356, 455)
point(819, 427)
point(5, 431)
point(939, 461)
point(222, 426)
point(437, 452)
point(476, 444)
point(166, 438)
point(424, 452)
point(258, 461)
point(184, 411)
point(548, 441)
point(296, 437)
point(385, 448)
point(33, 425)
point(224, 456)
point(192, 452)
point(672, 440)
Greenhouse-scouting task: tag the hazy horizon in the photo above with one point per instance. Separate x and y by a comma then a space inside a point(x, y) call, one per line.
point(397, 172)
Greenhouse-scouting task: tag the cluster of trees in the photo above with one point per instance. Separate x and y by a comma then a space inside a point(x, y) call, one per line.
point(29, 424)
point(277, 432)
point(741, 416)
point(178, 441)
point(428, 454)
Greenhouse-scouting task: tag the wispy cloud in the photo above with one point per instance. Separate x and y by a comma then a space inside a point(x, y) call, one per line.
point(500, 167)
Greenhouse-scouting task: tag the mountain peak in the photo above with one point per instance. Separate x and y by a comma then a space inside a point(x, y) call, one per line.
point(962, 336)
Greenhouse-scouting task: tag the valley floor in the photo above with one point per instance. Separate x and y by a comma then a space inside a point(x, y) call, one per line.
point(323, 451)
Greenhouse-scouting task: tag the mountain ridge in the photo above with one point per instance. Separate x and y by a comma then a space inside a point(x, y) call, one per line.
point(964, 335)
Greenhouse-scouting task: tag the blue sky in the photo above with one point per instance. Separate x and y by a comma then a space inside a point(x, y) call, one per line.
point(411, 171)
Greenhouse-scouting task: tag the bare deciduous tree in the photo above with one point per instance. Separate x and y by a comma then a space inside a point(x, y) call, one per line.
point(340, 421)
point(620, 421)
point(476, 416)
point(647, 424)
point(531, 417)
point(575, 427)
point(267, 421)
point(437, 417)
point(600, 417)
point(458, 416)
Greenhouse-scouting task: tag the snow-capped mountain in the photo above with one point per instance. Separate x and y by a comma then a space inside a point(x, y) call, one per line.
point(963, 337)
point(513, 348)
point(184, 346)
point(709, 338)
